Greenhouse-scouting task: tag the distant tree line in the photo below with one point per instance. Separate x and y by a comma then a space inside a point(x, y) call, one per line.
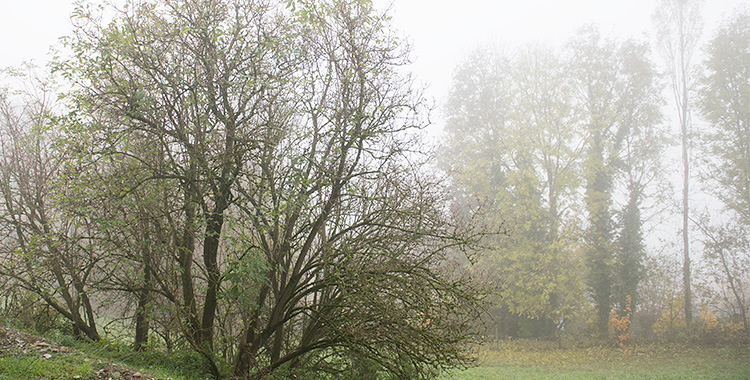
point(569, 146)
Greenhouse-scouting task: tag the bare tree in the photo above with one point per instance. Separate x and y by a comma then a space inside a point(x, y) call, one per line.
point(724, 99)
point(281, 136)
point(678, 26)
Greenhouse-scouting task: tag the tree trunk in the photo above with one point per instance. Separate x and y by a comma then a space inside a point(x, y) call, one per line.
point(210, 252)
point(186, 248)
point(141, 324)
point(599, 234)
point(685, 216)
point(141, 312)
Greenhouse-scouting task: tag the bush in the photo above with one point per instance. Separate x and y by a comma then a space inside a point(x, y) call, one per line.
point(707, 328)
point(619, 326)
point(26, 311)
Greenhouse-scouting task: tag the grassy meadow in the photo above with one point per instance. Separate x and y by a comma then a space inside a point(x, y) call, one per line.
point(545, 360)
point(507, 359)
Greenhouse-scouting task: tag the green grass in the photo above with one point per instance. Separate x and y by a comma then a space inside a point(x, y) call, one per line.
point(178, 366)
point(22, 367)
point(26, 361)
point(543, 360)
point(518, 359)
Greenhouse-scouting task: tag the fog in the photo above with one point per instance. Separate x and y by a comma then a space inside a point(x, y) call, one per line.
point(224, 188)
point(442, 31)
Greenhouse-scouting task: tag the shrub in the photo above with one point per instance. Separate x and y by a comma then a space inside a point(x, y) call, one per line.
point(26, 311)
point(619, 326)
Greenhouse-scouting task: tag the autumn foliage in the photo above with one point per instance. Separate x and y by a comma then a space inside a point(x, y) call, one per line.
point(619, 325)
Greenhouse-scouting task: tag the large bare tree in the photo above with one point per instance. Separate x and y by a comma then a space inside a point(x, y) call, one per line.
point(282, 138)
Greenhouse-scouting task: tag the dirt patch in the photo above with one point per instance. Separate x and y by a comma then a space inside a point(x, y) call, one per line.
point(115, 372)
point(14, 342)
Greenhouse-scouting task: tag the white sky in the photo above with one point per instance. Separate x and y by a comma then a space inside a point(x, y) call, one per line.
point(442, 31)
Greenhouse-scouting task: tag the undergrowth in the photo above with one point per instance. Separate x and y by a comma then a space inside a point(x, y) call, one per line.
point(177, 365)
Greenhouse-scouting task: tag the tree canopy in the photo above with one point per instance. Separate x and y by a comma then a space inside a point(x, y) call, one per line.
point(248, 175)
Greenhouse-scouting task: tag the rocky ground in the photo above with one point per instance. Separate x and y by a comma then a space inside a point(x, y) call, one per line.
point(15, 342)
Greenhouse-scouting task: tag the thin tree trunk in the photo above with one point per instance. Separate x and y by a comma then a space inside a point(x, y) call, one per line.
point(186, 248)
point(684, 120)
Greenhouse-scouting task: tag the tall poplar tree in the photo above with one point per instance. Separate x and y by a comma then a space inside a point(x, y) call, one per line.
point(615, 90)
point(640, 170)
point(595, 73)
point(678, 26)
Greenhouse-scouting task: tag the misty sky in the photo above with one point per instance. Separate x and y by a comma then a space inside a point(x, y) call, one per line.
point(442, 32)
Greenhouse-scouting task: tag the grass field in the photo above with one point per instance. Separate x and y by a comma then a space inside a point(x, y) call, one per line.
point(544, 360)
point(21, 358)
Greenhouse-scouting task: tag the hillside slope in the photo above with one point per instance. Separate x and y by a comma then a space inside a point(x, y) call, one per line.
point(26, 356)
